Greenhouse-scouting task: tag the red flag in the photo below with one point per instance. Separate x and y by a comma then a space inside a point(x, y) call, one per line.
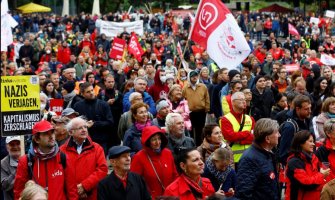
point(117, 48)
point(135, 48)
point(216, 29)
point(292, 30)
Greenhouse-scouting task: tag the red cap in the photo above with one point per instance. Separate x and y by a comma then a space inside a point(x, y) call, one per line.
point(42, 126)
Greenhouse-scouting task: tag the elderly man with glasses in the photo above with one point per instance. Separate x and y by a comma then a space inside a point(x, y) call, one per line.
point(85, 158)
point(237, 127)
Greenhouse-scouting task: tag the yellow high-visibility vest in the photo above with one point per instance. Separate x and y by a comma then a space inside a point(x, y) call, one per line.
point(237, 148)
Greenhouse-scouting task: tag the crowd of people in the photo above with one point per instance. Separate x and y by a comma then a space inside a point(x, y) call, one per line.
point(174, 125)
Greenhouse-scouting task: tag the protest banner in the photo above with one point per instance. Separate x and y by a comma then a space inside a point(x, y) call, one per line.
point(314, 20)
point(330, 14)
point(20, 104)
point(56, 106)
point(117, 49)
point(216, 29)
point(291, 67)
point(327, 60)
point(112, 29)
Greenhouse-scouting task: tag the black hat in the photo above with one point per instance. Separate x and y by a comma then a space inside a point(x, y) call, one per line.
point(233, 73)
point(116, 151)
point(193, 73)
point(130, 72)
point(69, 86)
point(257, 78)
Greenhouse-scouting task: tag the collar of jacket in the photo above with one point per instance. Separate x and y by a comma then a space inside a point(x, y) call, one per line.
point(88, 144)
point(116, 182)
point(262, 150)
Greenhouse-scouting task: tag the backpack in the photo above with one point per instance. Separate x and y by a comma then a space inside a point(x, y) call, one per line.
point(291, 121)
point(31, 162)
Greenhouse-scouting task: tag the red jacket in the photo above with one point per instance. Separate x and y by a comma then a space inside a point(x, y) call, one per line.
point(179, 188)
point(47, 173)
point(326, 153)
point(63, 55)
point(163, 163)
point(304, 181)
point(158, 90)
point(277, 53)
point(89, 167)
point(244, 137)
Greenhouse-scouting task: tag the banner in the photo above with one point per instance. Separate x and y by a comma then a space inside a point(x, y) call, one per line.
point(117, 49)
point(20, 104)
point(291, 67)
point(330, 14)
point(314, 20)
point(327, 60)
point(135, 48)
point(56, 106)
point(112, 29)
point(216, 29)
point(292, 30)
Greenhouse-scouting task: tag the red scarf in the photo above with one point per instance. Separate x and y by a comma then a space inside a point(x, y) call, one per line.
point(194, 186)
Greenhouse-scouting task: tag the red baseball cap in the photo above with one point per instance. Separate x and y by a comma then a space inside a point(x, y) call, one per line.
point(42, 126)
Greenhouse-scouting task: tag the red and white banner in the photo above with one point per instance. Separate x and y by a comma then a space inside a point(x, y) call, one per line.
point(292, 67)
point(117, 48)
point(292, 30)
point(216, 29)
point(56, 105)
point(327, 60)
point(135, 48)
point(179, 50)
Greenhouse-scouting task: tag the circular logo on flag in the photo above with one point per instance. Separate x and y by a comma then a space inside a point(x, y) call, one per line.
point(208, 15)
point(228, 42)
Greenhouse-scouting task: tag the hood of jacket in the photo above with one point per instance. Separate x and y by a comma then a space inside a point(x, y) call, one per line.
point(148, 132)
point(157, 79)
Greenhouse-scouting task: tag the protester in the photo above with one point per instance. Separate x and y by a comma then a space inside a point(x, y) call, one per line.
point(43, 160)
point(326, 152)
point(237, 127)
point(163, 110)
point(219, 171)
point(81, 151)
point(305, 177)
point(33, 191)
point(155, 162)
point(140, 119)
point(190, 185)
point(9, 166)
point(251, 182)
point(121, 183)
point(175, 130)
point(98, 114)
point(212, 140)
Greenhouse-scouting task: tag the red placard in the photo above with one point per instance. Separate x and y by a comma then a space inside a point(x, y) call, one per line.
point(56, 105)
point(117, 49)
point(292, 67)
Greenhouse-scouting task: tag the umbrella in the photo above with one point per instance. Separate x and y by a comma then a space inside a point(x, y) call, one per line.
point(33, 7)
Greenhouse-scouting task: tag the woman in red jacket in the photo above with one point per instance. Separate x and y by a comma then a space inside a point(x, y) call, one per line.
point(155, 162)
point(326, 153)
point(305, 177)
point(190, 185)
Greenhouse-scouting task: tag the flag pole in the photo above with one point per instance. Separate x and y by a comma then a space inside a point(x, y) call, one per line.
point(189, 35)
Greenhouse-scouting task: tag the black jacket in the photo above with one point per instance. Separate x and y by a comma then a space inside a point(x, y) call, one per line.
point(257, 176)
point(98, 111)
point(261, 103)
point(112, 188)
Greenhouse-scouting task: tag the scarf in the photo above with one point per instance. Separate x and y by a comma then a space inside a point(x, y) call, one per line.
point(45, 156)
point(194, 186)
point(219, 175)
point(140, 127)
point(68, 97)
point(177, 141)
point(330, 115)
point(210, 148)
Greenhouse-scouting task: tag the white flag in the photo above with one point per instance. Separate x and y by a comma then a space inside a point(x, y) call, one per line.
point(327, 60)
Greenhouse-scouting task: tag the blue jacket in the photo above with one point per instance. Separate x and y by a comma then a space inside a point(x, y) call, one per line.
point(146, 99)
point(132, 139)
point(257, 176)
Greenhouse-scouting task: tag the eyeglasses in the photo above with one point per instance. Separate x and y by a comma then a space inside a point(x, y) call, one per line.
point(80, 128)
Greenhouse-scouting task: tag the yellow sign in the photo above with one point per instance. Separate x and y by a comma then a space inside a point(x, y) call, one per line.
point(20, 93)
